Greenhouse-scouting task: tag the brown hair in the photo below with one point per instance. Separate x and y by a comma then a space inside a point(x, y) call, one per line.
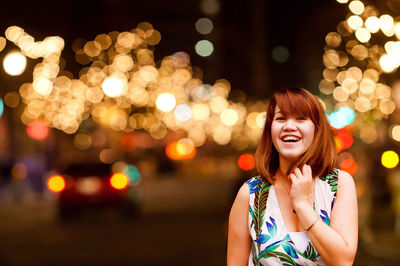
point(321, 155)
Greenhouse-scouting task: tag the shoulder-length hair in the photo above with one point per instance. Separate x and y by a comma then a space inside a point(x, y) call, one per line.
point(321, 155)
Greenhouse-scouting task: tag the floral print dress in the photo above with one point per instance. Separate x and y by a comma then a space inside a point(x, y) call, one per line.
point(271, 243)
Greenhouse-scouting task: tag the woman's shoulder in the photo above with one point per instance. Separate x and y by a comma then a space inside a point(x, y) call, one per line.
point(337, 178)
point(345, 180)
point(337, 174)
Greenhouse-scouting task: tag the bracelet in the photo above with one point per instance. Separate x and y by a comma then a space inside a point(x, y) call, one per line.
point(312, 224)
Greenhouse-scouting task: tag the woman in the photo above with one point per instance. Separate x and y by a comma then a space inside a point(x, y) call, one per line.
point(300, 210)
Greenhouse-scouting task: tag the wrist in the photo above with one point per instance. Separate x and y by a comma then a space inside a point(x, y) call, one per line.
point(312, 225)
point(303, 204)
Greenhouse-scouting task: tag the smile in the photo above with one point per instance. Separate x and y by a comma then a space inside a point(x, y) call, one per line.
point(290, 139)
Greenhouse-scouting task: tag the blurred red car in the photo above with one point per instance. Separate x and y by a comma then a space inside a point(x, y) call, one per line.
point(92, 186)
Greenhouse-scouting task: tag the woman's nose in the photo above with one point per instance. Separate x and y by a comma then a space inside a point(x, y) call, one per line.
point(290, 124)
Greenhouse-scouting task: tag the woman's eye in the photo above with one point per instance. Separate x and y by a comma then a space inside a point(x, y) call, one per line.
point(279, 118)
point(301, 118)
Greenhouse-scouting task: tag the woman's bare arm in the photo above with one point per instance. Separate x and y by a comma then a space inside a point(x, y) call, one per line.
point(337, 243)
point(239, 241)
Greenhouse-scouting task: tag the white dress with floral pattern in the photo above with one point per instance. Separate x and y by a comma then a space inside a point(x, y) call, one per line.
point(272, 244)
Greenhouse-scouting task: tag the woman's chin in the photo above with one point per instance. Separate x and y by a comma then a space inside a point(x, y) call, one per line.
point(291, 156)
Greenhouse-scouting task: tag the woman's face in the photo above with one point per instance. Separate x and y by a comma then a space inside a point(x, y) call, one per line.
point(291, 135)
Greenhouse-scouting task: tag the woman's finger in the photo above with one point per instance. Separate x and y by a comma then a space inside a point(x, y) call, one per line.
point(304, 170)
point(297, 172)
point(309, 171)
point(293, 178)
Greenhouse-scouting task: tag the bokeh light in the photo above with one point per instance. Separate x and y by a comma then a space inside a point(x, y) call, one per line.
point(387, 23)
point(56, 183)
point(204, 25)
point(349, 165)
point(229, 117)
point(43, 86)
point(395, 133)
point(14, 63)
point(3, 43)
point(113, 86)
point(204, 48)
point(108, 156)
point(119, 181)
point(390, 159)
point(363, 35)
point(166, 102)
point(280, 54)
point(19, 171)
point(12, 99)
point(180, 150)
point(357, 7)
point(82, 141)
point(373, 24)
point(344, 139)
point(38, 130)
point(183, 112)
point(200, 111)
point(185, 147)
point(260, 120)
point(342, 117)
point(1, 107)
point(246, 162)
point(210, 7)
point(355, 22)
point(133, 175)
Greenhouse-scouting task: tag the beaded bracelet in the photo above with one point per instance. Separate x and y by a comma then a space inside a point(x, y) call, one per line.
point(312, 224)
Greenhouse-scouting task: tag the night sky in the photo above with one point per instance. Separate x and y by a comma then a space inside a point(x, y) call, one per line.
point(244, 35)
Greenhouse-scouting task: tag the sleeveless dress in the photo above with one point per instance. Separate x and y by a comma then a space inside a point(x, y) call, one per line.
point(271, 243)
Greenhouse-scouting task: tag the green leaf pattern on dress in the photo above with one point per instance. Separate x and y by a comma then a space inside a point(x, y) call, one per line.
point(261, 188)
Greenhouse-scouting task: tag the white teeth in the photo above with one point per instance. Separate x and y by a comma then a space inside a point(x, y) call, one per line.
point(290, 138)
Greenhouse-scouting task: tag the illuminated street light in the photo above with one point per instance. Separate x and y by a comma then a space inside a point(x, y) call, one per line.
point(14, 63)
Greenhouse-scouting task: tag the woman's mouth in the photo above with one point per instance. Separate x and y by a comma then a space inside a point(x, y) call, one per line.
point(290, 139)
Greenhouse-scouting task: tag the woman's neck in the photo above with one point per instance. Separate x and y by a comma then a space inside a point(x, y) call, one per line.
point(284, 165)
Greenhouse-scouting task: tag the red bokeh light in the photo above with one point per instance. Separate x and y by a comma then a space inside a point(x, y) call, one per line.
point(346, 139)
point(180, 150)
point(38, 130)
point(246, 162)
point(128, 142)
point(349, 165)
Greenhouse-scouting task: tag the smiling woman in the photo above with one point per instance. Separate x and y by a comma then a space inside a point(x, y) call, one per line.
point(300, 210)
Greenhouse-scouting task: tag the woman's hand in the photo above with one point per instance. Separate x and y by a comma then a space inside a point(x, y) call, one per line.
point(302, 190)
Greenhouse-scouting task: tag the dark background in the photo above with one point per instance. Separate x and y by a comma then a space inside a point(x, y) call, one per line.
point(244, 34)
point(184, 222)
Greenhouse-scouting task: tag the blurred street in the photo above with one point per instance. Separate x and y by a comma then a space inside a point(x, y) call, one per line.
point(183, 223)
